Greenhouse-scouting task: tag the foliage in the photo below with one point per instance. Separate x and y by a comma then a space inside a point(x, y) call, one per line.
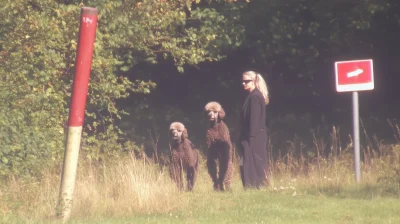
point(146, 30)
point(301, 40)
point(310, 29)
point(294, 45)
point(38, 49)
point(295, 41)
point(35, 84)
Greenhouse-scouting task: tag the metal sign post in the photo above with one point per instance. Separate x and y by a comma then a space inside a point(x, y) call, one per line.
point(356, 136)
point(353, 76)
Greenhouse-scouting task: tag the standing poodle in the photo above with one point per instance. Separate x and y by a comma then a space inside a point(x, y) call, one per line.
point(184, 156)
point(219, 148)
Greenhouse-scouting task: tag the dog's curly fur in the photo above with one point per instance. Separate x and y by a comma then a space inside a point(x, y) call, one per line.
point(219, 147)
point(184, 157)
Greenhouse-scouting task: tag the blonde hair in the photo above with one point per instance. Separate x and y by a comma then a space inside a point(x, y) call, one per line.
point(259, 83)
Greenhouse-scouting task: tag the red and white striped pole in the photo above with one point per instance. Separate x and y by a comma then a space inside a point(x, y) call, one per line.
point(87, 34)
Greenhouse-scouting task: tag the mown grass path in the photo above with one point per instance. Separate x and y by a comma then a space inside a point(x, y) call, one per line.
point(270, 207)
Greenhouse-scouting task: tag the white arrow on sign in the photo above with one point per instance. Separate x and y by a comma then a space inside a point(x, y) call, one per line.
point(354, 73)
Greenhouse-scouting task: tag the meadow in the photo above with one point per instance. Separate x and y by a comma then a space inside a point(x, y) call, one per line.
point(304, 188)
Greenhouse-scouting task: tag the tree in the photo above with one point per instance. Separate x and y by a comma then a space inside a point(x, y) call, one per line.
point(38, 50)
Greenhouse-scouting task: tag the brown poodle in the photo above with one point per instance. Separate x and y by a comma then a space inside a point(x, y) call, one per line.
point(184, 156)
point(219, 148)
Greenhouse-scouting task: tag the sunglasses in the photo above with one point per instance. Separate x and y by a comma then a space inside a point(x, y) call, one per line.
point(246, 81)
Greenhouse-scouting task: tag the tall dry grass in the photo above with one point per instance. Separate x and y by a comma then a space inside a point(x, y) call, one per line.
point(130, 186)
point(117, 189)
point(327, 166)
point(124, 187)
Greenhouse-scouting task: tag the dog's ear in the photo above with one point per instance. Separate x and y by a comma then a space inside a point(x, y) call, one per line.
point(221, 114)
point(184, 134)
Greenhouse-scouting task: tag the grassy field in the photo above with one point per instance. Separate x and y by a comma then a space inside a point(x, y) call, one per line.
point(135, 191)
point(264, 207)
point(268, 207)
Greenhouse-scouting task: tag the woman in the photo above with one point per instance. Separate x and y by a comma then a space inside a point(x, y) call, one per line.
point(253, 135)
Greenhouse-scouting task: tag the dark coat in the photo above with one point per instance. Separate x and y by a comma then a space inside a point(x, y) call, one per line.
point(253, 138)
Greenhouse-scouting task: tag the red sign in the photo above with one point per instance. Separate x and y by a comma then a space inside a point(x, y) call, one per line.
point(354, 75)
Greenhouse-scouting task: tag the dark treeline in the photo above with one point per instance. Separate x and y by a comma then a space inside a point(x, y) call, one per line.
point(163, 60)
point(299, 72)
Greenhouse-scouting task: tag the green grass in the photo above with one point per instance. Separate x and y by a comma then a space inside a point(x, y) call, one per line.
point(265, 206)
point(131, 190)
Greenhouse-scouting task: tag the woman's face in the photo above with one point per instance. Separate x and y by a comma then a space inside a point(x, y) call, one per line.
point(248, 83)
